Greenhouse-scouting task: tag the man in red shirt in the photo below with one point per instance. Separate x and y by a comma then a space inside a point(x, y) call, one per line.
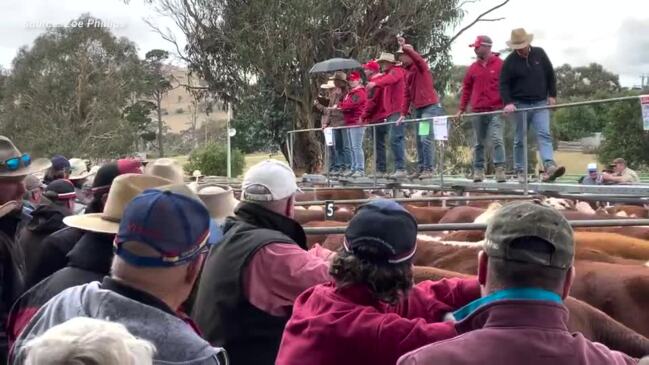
point(392, 82)
point(372, 314)
point(481, 90)
point(420, 94)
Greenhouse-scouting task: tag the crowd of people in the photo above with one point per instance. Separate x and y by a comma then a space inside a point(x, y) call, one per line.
point(155, 270)
point(617, 173)
point(403, 86)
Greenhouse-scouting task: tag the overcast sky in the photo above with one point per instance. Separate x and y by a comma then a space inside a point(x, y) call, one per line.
point(613, 33)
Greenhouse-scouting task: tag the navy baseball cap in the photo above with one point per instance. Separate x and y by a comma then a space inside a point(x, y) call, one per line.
point(171, 220)
point(387, 226)
point(60, 163)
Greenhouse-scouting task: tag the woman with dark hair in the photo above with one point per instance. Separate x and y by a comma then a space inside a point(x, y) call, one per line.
point(372, 313)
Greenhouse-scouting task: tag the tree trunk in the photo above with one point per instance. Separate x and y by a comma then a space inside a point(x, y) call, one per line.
point(307, 148)
point(160, 144)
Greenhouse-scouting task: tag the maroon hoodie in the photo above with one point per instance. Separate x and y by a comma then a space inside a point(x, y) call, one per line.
point(513, 332)
point(420, 87)
point(347, 326)
point(480, 87)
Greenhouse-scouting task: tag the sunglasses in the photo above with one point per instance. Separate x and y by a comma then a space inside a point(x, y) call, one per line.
point(14, 163)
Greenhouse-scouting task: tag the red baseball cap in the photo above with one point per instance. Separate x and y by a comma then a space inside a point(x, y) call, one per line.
point(354, 76)
point(481, 40)
point(372, 65)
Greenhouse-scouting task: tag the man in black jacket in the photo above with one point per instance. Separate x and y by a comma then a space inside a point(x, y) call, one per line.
point(14, 166)
point(527, 80)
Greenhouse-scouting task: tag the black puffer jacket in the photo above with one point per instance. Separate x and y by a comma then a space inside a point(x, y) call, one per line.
point(46, 219)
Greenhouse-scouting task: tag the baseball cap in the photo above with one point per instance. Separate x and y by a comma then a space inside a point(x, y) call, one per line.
point(60, 163)
point(276, 176)
point(108, 172)
point(61, 189)
point(530, 219)
point(171, 220)
point(619, 160)
point(592, 167)
point(354, 76)
point(372, 65)
point(385, 225)
point(481, 40)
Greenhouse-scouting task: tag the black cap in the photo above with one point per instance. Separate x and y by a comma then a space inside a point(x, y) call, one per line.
point(385, 225)
point(60, 189)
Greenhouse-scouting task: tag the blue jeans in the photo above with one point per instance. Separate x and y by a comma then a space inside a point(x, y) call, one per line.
point(337, 152)
point(396, 143)
point(356, 146)
point(488, 126)
point(540, 122)
point(347, 150)
point(426, 144)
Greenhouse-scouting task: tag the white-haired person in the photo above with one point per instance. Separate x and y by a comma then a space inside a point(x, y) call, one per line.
point(88, 341)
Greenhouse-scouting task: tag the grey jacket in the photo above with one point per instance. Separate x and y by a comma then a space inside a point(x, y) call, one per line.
point(175, 340)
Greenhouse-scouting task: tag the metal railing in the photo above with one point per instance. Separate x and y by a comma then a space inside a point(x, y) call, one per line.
point(442, 199)
point(483, 226)
point(524, 111)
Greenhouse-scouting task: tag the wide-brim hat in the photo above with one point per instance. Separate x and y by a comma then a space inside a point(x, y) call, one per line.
point(123, 189)
point(387, 57)
point(219, 199)
point(339, 75)
point(519, 39)
point(78, 169)
point(166, 168)
point(329, 85)
point(8, 151)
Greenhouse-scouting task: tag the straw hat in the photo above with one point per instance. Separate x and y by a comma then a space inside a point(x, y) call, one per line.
point(329, 85)
point(386, 57)
point(520, 39)
point(166, 168)
point(219, 199)
point(8, 151)
point(124, 188)
point(78, 169)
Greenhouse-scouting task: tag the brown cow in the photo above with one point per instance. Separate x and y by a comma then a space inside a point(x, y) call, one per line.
point(464, 236)
point(591, 322)
point(304, 216)
point(331, 194)
point(312, 239)
point(462, 214)
point(426, 215)
point(632, 211)
point(614, 244)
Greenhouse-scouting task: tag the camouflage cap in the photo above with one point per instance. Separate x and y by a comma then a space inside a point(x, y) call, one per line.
point(530, 219)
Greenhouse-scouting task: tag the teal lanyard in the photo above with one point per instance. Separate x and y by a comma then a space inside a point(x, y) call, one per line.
point(507, 294)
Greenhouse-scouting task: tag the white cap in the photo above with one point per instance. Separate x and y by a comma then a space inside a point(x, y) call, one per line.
point(276, 176)
point(592, 166)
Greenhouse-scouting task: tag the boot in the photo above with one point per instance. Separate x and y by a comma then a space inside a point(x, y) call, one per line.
point(399, 174)
point(478, 175)
point(553, 172)
point(427, 174)
point(500, 174)
point(357, 174)
point(520, 175)
point(414, 175)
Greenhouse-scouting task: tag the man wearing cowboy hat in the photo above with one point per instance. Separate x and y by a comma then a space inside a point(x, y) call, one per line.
point(480, 89)
point(79, 175)
point(336, 119)
point(14, 167)
point(392, 83)
point(527, 80)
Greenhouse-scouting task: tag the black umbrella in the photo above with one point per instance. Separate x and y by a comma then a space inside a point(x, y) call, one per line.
point(335, 64)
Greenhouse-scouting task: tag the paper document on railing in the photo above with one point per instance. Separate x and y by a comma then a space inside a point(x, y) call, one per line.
point(423, 128)
point(644, 104)
point(329, 136)
point(440, 128)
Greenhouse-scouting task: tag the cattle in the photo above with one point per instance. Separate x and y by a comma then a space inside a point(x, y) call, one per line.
point(462, 214)
point(464, 236)
point(621, 291)
point(426, 215)
point(304, 216)
point(614, 244)
point(584, 318)
point(632, 211)
point(312, 239)
point(331, 194)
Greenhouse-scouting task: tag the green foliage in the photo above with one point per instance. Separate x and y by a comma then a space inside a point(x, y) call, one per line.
point(625, 136)
point(585, 81)
point(67, 93)
point(212, 160)
point(574, 123)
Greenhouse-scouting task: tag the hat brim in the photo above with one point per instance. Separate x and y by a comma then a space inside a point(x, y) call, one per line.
point(37, 165)
point(82, 176)
point(522, 45)
point(91, 222)
point(387, 61)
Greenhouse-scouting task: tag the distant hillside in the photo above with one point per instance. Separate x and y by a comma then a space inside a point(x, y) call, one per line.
point(177, 104)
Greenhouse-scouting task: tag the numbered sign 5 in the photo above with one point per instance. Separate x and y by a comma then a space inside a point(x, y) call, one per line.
point(329, 209)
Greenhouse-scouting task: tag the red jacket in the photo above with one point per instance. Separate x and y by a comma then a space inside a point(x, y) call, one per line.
point(420, 87)
point(353, 105)
point(481, 86)
point(344, 326)
point(516, 332)
point(377, 106)
point(394, 84)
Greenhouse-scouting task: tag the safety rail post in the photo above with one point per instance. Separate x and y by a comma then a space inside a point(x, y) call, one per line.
point(525, 154)
point(290, 149)
point(375, 156)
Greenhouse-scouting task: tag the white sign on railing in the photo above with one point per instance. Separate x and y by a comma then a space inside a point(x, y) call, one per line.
point(644, 104)
point(440, 128)
point(329, 136)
